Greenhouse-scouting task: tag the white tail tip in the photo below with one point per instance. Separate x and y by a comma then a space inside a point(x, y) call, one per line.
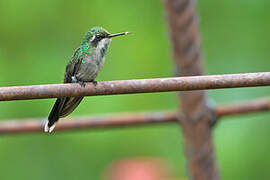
point(47, 128)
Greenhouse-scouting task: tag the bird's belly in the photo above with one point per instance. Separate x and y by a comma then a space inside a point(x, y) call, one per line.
point(87, 72)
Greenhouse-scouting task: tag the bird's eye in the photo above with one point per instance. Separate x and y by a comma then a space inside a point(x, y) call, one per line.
point(98, 37)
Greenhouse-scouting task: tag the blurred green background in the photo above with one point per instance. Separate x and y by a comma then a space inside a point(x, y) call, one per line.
point(37, 38)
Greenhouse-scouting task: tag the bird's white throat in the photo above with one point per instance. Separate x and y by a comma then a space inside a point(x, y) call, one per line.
point(103, 46)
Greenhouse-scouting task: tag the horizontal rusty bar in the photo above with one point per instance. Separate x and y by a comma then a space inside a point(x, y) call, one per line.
point(107, 121)
point(135, 86)
point(124, 119)
point(252, 106)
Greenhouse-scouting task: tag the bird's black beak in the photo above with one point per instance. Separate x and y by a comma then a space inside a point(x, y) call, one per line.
point(117, 34)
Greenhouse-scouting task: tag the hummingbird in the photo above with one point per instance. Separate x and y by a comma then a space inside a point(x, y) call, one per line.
point(83, 66)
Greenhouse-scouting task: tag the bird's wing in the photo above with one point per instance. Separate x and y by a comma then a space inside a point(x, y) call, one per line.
point(68, 104)
point(64, 106)
point(72, 67)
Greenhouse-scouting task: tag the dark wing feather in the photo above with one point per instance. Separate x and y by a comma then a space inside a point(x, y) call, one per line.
point(70, 104)
point(54, 114)
point(64, 106)
point(72, 67)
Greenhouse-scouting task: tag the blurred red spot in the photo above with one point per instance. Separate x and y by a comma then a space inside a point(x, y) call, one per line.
point(138, 169)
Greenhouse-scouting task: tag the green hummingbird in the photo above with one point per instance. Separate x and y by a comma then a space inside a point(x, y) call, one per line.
point(83, 66)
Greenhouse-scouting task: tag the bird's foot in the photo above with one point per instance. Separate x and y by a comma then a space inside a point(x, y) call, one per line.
point(82, 83)
point(75, 80)
point(94, 82)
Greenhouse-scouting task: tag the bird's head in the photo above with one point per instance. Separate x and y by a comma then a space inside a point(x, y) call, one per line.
point(96, 35)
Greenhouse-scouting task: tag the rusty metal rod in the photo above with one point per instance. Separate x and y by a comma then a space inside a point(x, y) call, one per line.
point(196, 115)
point(125, 119)
point(135, 86)
point(107, 121)
point(252, 106)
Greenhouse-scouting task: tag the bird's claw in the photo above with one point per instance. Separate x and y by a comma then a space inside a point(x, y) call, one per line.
point(75, 80)
point(82, 83)
point(95, 83)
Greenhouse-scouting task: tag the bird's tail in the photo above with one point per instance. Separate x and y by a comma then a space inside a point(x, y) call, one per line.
point(62, 107)
point(54, 115)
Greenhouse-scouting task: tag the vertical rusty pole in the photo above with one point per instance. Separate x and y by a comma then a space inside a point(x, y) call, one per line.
point(197, 116)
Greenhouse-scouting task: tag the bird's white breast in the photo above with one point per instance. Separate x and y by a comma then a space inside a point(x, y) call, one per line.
point(103, 46)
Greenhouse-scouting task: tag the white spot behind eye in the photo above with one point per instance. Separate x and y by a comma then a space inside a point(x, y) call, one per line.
point(92, 39)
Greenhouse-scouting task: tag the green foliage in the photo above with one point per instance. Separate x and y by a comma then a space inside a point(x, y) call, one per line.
point(39, 37)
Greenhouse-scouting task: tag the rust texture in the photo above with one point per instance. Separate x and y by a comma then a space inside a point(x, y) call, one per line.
point(190, 100)
point(124, 119)
point(258, 105)
point(108, 121)
point(196, 115)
